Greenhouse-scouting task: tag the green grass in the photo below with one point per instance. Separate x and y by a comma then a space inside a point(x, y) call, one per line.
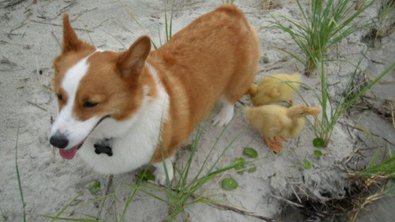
point(324, 126)
point(18, 176)
point(325, 24)
point(381, 29)
point(380, 169)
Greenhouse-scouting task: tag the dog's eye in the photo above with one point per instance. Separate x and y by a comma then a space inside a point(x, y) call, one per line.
point(60, 97)
point(88, 104)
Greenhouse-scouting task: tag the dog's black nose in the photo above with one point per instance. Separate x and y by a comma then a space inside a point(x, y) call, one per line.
point(58, 140)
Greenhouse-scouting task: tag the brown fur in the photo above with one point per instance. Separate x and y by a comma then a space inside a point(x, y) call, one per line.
point(216, 55)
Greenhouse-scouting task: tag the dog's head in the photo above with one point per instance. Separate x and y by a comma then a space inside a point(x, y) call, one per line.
point(94, 86)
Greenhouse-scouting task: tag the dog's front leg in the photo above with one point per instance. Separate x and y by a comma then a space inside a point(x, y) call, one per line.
point(164, 170)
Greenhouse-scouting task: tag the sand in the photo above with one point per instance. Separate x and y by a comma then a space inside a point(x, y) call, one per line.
point(29, 40)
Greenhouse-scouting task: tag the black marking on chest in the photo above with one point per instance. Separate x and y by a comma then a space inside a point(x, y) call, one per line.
point(103, 146)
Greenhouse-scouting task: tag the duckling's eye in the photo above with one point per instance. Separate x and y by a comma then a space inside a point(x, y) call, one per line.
point(60, 97)
point(88, 104)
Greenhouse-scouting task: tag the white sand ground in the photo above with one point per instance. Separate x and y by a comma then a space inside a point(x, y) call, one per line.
point(29, 40)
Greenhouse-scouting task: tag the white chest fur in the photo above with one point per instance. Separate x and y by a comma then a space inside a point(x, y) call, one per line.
point(133, 141)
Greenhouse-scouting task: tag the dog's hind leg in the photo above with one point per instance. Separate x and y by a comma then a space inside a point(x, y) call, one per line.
point(164, 171)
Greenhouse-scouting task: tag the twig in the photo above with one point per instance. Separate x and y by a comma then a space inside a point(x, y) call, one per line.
point(296, 195)
point(57, 40)
point(370, 199)
point(36, 105)
point(67, 6)
point(13, 3)
point(237, 210)
point(124, 47)
point(10, 64)
point(287, 201)
point(81, 13)
point(48, 23)
point(109, 183)
point(22, 24)
point(376, 135)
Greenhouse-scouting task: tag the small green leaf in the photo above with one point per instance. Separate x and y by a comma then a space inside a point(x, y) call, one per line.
point(229, 184)
point(307, 164)
point(94, 188)
point(250, 152)
point(240, 165)
point(251, 168)
point(317, 153)
point(146, 175)
point(318, 142)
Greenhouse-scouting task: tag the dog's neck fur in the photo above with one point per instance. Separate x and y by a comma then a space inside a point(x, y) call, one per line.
point(133, 141)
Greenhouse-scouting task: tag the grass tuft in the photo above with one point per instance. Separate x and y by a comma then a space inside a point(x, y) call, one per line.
point(325, 24)
point(324, 127)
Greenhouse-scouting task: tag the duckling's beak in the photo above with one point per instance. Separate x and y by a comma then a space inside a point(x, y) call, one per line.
point(313, 110)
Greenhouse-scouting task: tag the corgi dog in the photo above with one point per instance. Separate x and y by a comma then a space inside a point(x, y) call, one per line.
point(122, 110)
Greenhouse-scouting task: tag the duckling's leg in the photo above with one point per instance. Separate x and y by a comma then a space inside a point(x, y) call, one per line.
point(275, 146)
point(279, 139)
point(225, 115)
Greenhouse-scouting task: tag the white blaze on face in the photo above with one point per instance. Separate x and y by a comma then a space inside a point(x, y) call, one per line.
point(66, 123)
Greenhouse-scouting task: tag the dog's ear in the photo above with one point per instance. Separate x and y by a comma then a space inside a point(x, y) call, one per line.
point(70, 39)
point(131, 62)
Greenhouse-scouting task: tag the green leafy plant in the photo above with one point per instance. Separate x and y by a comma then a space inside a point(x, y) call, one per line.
point(229, 184)
point(145, 175)
point(318, 142)
point(94, 188)
point(250, 152)
point(306, 164)
point(325, 24)
point(318, 153)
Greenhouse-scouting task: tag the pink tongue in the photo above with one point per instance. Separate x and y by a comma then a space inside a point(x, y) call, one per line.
point(69, 153)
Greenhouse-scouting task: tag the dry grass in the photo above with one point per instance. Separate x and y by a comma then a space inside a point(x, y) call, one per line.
point(271, 4)
point(360, 193)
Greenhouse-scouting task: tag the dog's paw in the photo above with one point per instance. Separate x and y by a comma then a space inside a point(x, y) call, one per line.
point(161, 178)
point(224, 116)
point(161, 174)
point(218, 120)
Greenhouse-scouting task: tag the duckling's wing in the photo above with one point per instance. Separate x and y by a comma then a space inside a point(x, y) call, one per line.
point(272, 127)
point(275, 130)
point(265, 82)
point(273, 92)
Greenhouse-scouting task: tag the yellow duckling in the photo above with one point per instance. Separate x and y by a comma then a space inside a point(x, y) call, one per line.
point(278, 122)
point(275, 88)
